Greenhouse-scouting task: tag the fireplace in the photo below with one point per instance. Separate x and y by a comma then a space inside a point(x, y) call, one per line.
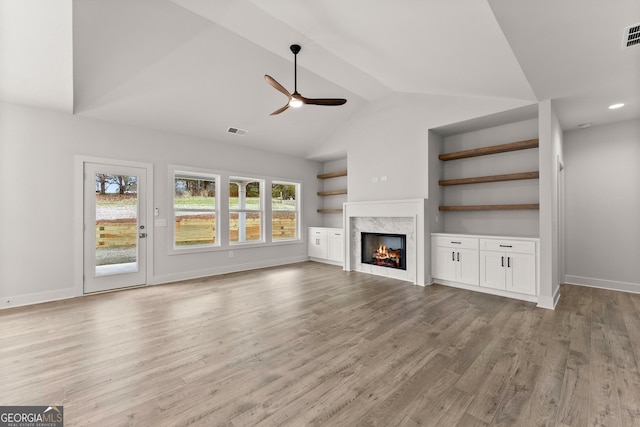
point(384, 250)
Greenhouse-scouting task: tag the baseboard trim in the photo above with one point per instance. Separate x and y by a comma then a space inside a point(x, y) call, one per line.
point(326, 261)
point(216, 271)
point(61, 294)
point(603, 284)
point(550, 303)
point(490, 291)
point(37, 298)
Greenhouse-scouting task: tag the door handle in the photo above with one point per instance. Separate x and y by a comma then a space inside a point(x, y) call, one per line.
point(142, 235)
point(508, 261)
point(458, 256)
point(503, 261)
point(453, 256)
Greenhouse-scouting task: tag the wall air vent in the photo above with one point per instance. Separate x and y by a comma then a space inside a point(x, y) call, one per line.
point(237, 131)
point(631, 36)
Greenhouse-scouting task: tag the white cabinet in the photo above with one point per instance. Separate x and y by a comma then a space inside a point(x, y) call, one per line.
point(326, 245)
point(318, 246)
point(455, 259)
point(335, 245)
point(508, 265)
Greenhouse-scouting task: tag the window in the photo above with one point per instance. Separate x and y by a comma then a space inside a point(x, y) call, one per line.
point(245, 210)
point(284, 211)
point(195, 210)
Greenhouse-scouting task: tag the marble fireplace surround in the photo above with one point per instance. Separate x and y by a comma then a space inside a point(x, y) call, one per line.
point(392, 216)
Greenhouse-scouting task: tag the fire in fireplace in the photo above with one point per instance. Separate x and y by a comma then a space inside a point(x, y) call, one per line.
point(385, 250)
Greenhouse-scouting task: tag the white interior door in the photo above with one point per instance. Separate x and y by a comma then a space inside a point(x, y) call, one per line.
point(114, 227)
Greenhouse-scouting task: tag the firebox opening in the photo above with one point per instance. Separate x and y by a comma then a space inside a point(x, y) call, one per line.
point(385, 250)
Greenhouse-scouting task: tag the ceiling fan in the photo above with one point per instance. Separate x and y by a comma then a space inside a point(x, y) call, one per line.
point(295, 99)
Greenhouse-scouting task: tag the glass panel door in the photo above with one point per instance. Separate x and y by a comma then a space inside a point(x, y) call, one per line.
point(115, 233)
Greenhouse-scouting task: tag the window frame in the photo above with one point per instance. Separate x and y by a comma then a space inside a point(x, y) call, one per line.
point(298, 210)
point(194, 173)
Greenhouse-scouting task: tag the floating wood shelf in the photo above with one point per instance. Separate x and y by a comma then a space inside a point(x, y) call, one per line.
point(331, 193)
point(492, 178)
point(494, 149)
point(491, 207)
point(329, 210)
point(332, 175)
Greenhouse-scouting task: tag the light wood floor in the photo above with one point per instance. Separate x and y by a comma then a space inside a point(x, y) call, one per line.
point(309, 344)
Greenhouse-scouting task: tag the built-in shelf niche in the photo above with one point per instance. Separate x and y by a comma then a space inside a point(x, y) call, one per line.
point(332, 192)
point(488, 174)
point(486, 151)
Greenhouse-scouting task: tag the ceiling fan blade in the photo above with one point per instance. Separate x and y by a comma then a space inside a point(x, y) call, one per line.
point(277, 85)
point(280, 110)
point(323, 101)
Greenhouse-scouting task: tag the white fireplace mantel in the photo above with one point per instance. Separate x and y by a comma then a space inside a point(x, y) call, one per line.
point(395, 216)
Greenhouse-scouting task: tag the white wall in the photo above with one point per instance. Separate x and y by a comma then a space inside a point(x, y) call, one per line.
point(603, 206)
point(37, 152)
point(511, 223)
point(551, 154)
point(389, 138)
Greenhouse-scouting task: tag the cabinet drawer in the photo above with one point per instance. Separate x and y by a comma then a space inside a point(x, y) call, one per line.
point(456, 242)
point(503, 245)
point(317, 232)
point(336, 234)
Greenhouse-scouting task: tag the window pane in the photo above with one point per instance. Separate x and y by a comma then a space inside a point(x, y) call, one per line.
point(234, 201)
point(195, 228)
point(245, 227)
point(283, 197)
point(194, 193)
point(244, 194)
point(116, 220)
point(284, 226)
point(284, 211)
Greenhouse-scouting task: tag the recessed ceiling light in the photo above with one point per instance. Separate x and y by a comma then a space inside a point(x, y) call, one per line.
point(616, 106)
point(584, 125)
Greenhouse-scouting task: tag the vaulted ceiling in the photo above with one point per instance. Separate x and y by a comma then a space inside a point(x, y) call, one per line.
point(196, 67)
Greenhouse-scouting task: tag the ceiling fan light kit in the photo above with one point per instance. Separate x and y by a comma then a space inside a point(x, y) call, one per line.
point(295, 100)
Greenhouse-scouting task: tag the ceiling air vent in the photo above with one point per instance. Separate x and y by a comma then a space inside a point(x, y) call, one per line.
point(631, 36)
point(237, 131)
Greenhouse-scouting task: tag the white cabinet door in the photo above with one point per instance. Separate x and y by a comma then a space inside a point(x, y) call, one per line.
point(508, 271)
point(467, 266)
point(454, 264)
point(317, 247)
point(492, 270)
point(335, 246)
point(443, 263)
point(521, 273)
